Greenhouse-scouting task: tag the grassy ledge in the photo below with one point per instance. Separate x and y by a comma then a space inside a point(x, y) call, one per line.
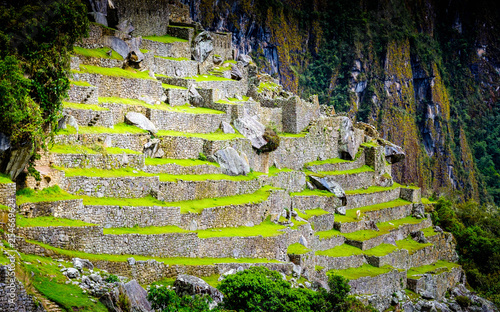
point(343, 250)
point(373, 189)
point(80, 149)
point(80, 83)
point(315, 192)
point(169, 86)
point(307, 214)
point(362, 271)
point(99, 53)
point(169, 261)
point(173, 58)
point(297, 249)
point(5, 178)
point(164, 39)
point(120, 128)
point(265, 229)
point(351, 216)
point(362, 169)
point(115, 72)
point(84, 106)
point(200, 78)
point(435, 268)
point(48, 222)
point(53, 193)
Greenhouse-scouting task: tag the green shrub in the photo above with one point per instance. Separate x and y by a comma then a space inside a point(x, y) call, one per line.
point(166, 300)
point(112, 279)
point(273, 141)
point(463, 301)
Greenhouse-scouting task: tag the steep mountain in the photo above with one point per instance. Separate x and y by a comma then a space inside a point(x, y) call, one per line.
point(426, 73)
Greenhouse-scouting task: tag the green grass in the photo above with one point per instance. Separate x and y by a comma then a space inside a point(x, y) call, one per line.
point(169, 86)
point(297, 224)
point(435, 268)
point(233, 101)
point(327, 161)
point(100, 53)
point(173, 58)
point(312, 193)
point(373, 189)
point(362, 271)
point(297, 249)
point(187, 109)
point(5, 178)
point(4, 208)
point(80, 83)
point(80, 149)
point(265, 229)
point(273, 171)
point(53, 193)
point(427, 201)
point(206, 177)
point(46, 277)
point(311, 213)
point(216, 136)
point(380, 250)
point(48, 222)
point(230, 62)
point(411, 245)
point(292, 135)
point(120, 128)
point(180, 162)
point(362, 169)
point(208, 78)
point(115, 72)
point(370, 144)
point(271, 86)
point(343, 250)
point(165, 39)
point(118, 100)
point(169, 261)
point(428, 232)
point(84, 106)
point(351, 216)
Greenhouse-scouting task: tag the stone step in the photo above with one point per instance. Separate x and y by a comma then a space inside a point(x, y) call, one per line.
point(372, 196)
point(89, 115)
point(117, 82)
point(83, 92)
point(362, 177)
point(396, 209)
point(176, 96)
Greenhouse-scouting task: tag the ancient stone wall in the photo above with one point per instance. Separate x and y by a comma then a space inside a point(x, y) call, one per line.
point(131, 141)
point(182, 32)
point(222, 43)
point(176, 68)
point(177, 97)
point(8, 194)
point(81, 94)
point(149, 17)
point(172, 49)
point(191, 190)
point(127, 187)
point(101, 161)
point(383, 284)
point(86, 117)
point(13, 296)
point(191, 123)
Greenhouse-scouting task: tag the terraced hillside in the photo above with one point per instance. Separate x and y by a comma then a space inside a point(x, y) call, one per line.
point(198, 193)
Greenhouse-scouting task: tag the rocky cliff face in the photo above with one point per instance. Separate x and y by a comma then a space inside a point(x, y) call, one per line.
point(424, 72)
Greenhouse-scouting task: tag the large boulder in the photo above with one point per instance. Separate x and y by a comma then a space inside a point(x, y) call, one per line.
point(141, 121)
point(393, 152)
point(231, 162)
point(245, 59)
point(137, 297)
point(117, 44)
point(327, 183)
point(347, 139)
point(80, 264)
point(236, 73)
point(251, 129)
point(202, 46)
point(152, 149)
point(135, 55)
point(194, 97)
point(188, 285)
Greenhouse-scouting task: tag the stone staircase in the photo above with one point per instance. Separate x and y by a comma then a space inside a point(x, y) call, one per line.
point(164, 196)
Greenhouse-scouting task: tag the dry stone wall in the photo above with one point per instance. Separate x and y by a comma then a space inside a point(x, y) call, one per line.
point(82, 94)
point(130, 141)
point(173, 49)
point(191, 190)
point(191, 123)
point(86, 117)
point(126, 187)
point(8, 195)
point(101, 161)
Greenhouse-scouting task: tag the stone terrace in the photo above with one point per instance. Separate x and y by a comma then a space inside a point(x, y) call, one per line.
point(322, 202)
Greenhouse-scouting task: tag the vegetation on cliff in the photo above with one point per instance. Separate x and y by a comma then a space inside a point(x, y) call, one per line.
point(36, 38)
